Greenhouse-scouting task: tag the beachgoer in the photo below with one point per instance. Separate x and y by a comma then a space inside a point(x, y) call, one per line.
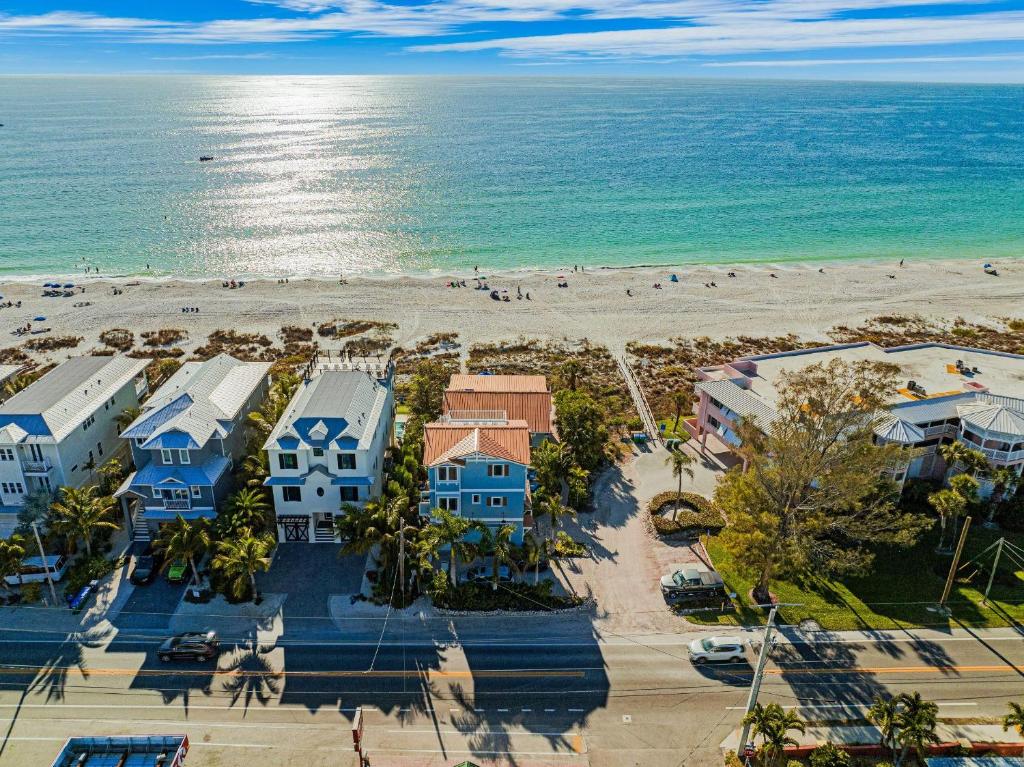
point(901, 262)
point(821, 271)
point(528, 296)
point(773, 275)
point(892, 276)
point(629, 292)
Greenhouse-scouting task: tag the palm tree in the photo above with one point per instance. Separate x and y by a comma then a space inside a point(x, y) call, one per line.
point(79, 512)
point(949, 505)
point(17, 383)
point(535, 551)
point(239, 560)
point(184, 540)
point(1015, 718)
point(682, 464)
point(12, 553)
point(577, 480)
point(957, 454)
point(126, 416)
point(249, 508)
point(498, 544)
point(917, 723)
point(552, 462)
point(884, 714)
point(378, 523)
point(774, 724)
point(553, 509)
point(680, 400)
point(1004, 481)
point(450, 530)
point(571, 371)
point(263, 420)
point(256, 467)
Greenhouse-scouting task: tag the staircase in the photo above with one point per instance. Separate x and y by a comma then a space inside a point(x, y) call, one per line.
point(323, 534)
point(140, 532)
point(639, 401)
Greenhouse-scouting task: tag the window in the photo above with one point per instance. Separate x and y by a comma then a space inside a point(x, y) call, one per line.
point(166, 456)
point(292, 494)
point(476, 500)
point(88, 422)
point(139, 441)
point(197, 491)
point(448, 504)
point(497, 501)
point(6, 454)
point(92, 460)
point(318, 451)
point(12, 487)
point(99, 448)
point(288, 461)
point(346, 460)
point(184, 456)
point(497, 470)
point(74, 468)
point(349, 494)
point(447, 474)
point(319, 492)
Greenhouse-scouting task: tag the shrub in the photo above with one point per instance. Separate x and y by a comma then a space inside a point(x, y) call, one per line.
point(121, 339)
point(31, 593)
point(695, 513)
point(516, 596)
point(85, 570)
point(294, 334)
point(565, 546)
point(163, 337)
point(343, 328)
point(51, 343)
point(828, 755)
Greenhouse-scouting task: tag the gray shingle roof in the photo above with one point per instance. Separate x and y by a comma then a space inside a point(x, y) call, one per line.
point(63, 398)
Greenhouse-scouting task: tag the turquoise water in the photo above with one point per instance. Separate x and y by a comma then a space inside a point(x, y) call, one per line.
point(335, 174)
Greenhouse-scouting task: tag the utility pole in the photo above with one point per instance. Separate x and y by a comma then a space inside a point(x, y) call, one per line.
point(755, 684)
point(401, 560)
point(995, 566)
point(46, 563)
point(955, 563)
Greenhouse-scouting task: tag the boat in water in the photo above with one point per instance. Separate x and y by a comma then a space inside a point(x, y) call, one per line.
point(205, 157)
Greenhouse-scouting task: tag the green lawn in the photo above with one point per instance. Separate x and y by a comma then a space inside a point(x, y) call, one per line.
point(668, 432)
point(897, 594)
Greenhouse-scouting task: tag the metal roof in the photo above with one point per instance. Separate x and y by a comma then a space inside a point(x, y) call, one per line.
point(993, 418)
point(739, 400)
point(338, 406)
point(895, 429)
point(62, 399)
point(200, 400)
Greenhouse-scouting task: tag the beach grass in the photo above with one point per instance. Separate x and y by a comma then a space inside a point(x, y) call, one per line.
point(896, 594)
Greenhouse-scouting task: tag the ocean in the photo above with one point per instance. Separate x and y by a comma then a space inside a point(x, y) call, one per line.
point(332, 175)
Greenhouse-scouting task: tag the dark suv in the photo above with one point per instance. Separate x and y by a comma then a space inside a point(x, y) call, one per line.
point(193, 646)
point(147, 565)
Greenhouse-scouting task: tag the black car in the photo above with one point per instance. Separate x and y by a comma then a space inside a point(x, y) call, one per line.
point(146, 567)
point(191, 646)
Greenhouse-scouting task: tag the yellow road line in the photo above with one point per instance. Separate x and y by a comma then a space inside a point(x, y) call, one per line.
point(430, 674)
point(893, 669)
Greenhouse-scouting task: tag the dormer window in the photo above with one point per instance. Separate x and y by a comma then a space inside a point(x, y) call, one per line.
point(497, 470)
point(318, 452)
point(184, 456)
point(447, 474)
point(166, 456)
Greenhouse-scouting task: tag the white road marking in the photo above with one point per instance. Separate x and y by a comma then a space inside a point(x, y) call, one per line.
point(478, 753)
point(575, 710)
point(502, 710)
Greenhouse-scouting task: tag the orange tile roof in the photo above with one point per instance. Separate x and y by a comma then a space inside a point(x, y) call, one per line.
point(451, 442)
point(520, 397)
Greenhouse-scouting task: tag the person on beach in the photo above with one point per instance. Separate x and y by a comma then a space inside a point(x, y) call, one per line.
point(901, 262)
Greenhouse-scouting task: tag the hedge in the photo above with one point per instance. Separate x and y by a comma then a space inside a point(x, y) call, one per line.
point(695, 513)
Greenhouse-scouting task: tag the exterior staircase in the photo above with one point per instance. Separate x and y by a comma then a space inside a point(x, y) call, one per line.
point(140, 532)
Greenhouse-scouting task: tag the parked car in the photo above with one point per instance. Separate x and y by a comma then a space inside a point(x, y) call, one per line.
point(176, 571)
point(717, 650)
point(198, 646)
point(147, 565)
point(689, 580)
point(485, 574)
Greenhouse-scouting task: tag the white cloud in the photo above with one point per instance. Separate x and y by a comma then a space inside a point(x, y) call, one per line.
point(773, 63)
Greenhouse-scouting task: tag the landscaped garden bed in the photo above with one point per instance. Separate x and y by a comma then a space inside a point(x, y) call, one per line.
point(696, 514)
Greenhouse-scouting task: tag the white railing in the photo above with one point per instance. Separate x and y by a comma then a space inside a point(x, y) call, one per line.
point(177, 504)
point(37, 467)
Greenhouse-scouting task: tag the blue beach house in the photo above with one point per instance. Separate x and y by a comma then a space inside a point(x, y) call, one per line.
point(186, 440)
point(477, 469)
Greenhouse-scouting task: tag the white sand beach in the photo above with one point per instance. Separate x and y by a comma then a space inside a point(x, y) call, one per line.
point(595, 305)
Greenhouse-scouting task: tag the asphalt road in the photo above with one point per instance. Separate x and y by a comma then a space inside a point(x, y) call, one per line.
point(567, 703)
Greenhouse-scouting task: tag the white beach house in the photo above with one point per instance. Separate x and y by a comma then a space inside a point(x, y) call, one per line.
point(56, 431)
point(945, 393)
point(328, 449)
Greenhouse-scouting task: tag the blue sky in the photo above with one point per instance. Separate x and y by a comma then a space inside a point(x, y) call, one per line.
point(977, 40)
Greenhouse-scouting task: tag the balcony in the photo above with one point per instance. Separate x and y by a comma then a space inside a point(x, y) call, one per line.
point(37, 468)
point(177, 504)
point(1004, 456)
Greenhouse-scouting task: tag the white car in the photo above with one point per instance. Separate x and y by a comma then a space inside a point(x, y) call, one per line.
point(717, 649)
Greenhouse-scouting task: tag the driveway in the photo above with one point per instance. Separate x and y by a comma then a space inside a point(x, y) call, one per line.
point(627, 560)
point(150, 606)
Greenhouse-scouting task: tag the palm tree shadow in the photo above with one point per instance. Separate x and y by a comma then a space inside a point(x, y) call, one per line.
point(252, 677)
point(52, 678)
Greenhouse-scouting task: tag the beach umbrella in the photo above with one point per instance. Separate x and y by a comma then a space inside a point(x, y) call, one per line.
point(39, 319)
